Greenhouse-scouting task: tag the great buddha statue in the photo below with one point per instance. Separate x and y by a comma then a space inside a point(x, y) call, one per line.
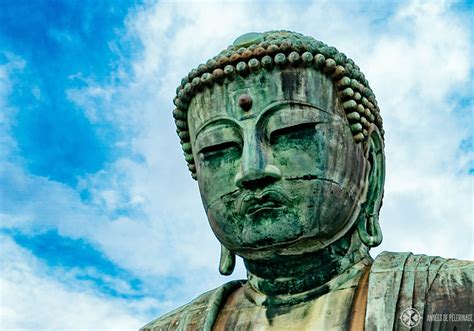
point(284, 137)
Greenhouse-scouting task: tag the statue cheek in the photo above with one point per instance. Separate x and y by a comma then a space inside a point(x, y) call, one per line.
point(333, 207)
point(216, 179)
point(213, 221)
point(224, 225)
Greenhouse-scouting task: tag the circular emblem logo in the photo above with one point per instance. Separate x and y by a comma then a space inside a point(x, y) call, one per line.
point(410, 317)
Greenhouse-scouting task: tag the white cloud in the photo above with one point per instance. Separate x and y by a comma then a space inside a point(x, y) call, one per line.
point(428, 190)
point(31, 299)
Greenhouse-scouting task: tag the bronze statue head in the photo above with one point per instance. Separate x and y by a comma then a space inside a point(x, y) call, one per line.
point(285, 139)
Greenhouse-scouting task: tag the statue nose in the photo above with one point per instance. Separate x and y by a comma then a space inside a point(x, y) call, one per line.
point(256, 177)
point(255, 168)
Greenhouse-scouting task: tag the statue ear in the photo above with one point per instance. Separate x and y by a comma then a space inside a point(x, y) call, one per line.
point(227, 261)
point(368, 223)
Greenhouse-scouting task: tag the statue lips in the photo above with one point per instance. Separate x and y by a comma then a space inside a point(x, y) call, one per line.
point(249, 203)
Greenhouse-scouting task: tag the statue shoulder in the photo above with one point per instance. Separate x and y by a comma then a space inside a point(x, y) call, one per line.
point(199, 314)
point(431, 285)
point(439, 271)
point(189, 311)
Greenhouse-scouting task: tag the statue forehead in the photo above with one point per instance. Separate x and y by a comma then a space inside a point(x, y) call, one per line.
point(265, 89)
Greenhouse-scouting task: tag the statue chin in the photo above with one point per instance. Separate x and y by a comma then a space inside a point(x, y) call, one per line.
point(263, 231)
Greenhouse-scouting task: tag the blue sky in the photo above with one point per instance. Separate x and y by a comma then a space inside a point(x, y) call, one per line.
point(99, 218)
point(62, 43)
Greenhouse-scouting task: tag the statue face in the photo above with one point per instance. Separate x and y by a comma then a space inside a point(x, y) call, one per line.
point(277, 166)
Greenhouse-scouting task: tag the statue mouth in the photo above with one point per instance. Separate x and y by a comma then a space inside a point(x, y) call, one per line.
point(250, 203)
point(257, 207)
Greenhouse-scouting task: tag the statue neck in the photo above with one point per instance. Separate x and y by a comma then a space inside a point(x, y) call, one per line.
point(303, 277)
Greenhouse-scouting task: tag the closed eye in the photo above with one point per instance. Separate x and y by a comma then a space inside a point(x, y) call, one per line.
point(209, 150)
point(291, 130)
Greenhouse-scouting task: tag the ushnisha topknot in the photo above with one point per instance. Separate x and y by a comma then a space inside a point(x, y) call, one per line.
point(273, 50)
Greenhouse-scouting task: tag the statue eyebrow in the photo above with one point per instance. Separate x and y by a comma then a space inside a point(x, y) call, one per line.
point(216, 121)
point(270, 109)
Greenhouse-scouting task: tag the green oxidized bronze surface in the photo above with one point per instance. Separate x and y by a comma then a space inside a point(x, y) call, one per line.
point(265, 173)
point(285, 139)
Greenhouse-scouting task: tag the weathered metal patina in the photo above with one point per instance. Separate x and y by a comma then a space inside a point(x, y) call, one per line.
point(285, 139)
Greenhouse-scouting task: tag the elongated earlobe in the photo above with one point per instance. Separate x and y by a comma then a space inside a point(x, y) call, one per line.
point(227, 261)
point(369, 231)
point(368, 225)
